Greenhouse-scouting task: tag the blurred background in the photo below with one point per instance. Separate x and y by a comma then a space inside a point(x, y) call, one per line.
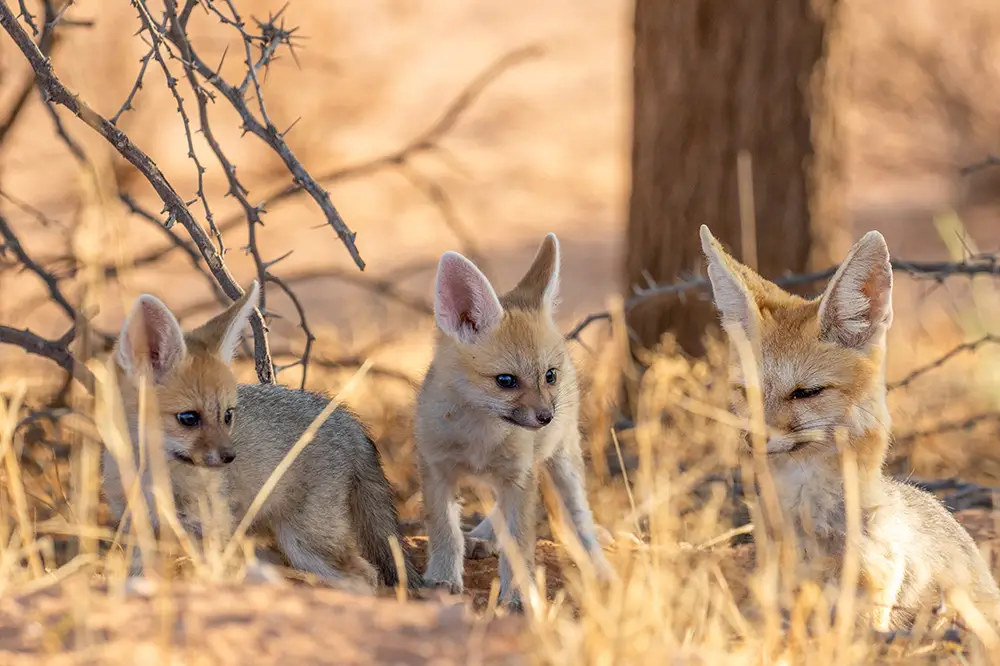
point(619, 125)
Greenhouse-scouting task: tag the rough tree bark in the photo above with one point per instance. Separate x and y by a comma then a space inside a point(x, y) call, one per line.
point(713, 78)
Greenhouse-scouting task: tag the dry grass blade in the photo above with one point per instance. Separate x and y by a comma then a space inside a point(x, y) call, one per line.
point(851, 571)
point(14, 484)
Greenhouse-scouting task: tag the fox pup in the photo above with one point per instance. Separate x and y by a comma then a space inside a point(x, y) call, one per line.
point(332, 512)
point(499, 400)
point(821, 365)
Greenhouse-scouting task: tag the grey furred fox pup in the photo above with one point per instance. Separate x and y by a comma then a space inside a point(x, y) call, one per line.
point(333, 511)
point(821, 364)
point(499, 400)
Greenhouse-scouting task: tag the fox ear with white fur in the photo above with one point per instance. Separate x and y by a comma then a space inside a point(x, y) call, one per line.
point(150, 339)
point(223, 332)
point(465, 303)
point(540, 285)
point(729, 291)
point(857, 303)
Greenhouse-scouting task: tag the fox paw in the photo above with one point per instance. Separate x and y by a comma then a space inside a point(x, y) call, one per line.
point(352, 585)
point(449, 586)
point(479, 549)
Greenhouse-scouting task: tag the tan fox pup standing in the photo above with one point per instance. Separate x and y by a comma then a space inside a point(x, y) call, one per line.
point(500, 399)
point(821, 368)
point(332, 512)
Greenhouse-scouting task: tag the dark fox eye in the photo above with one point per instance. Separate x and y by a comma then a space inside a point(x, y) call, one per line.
point(551, 376)
point(803, 393)
point(506, 381)
point(228, 416)
point(189, 419)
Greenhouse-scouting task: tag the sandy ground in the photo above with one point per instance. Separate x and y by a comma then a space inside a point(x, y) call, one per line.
point(544, 148)
point(268, 623)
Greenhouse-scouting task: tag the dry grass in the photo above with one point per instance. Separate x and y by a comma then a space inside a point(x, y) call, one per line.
point(545, 149)
point(683, 590)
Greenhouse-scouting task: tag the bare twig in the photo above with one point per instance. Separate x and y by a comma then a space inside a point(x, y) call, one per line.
point(73, 146)
point(176, 242)
point(427, 141)
point(54, 91)
point(153, 30)
point(111, 271)
point(136, 87)
point(303, 324)
point(384, 287)
point(402, 158)
point(271, 38)
point(964, 347)
point(45, 44)
point(958, 425)
point(989, 161)
point(926, 270)
point(438, 197)
point(961, 495)
point(28, 18)
point(39, 216)
point(12, 243)
point(55, 350)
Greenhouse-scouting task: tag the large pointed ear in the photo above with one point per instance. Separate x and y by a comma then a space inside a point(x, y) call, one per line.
point(465, 304)
point(857, 303)
point(223, 332)
point(729, 291)
point(540, 285)
point(151, 339)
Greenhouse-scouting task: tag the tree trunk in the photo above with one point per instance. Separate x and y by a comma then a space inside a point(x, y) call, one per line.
point(714, 78)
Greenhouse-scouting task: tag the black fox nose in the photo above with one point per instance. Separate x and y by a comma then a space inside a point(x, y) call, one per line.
point(544, 416)
point(227, 457)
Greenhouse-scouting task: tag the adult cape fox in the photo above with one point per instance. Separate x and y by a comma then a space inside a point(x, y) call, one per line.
point(333, 511)
point(821, 366)
point(500, 400)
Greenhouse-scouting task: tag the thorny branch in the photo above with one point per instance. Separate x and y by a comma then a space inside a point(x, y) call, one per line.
point(151, 29)
point(271, 37)
point(384, 287)
point(427, 141)
point(175, 243)
point(988, 162)
point(54, 91)
point(171, 34)
point(167, 40)
point(13, 244)
point(54, 350)
point(303, 323)
point(964, 347)
point(925, 270)
point(401, 159)
point(46, 41)
point(958, 425)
